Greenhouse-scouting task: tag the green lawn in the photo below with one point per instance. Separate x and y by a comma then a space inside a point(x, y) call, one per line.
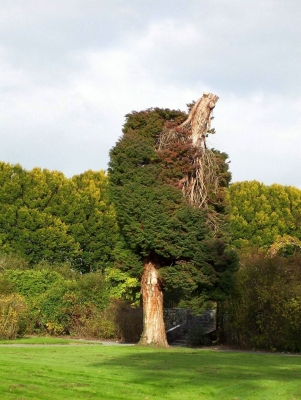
point(117, 373)
point(43, 340)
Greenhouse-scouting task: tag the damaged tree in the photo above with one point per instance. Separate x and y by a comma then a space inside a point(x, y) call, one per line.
point(168, 189)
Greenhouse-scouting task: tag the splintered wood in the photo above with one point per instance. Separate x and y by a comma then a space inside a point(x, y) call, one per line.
point(199, 119)
point(152, 297)
point(198, 185)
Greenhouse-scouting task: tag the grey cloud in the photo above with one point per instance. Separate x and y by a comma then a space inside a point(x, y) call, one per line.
point(243, 46)
point(240, 48)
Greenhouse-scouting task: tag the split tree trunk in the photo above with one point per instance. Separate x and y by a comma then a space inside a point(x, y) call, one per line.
point(152, 298)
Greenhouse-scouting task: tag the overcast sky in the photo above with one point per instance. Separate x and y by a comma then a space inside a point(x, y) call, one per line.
point(71, 69)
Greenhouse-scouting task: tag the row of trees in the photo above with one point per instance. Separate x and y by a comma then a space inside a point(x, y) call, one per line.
point(261, 214)
point(47, 217)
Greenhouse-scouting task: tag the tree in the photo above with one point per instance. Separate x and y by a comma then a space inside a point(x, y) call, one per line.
point(92, 222)
point(261, 214)
point(167, 188)
point(46, 216)
point(26, 225)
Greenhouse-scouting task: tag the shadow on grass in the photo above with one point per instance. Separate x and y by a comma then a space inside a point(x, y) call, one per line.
point(210, 374)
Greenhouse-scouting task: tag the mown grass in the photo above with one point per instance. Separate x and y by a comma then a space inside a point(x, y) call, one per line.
point(119, 373)
point(42, 340)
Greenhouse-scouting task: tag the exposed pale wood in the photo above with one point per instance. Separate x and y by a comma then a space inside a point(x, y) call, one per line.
point(197, 185)
point(199, 119)
point(152, 297)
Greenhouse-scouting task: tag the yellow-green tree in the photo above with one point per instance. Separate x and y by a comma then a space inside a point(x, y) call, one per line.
point(261, 213)
point(46, 216)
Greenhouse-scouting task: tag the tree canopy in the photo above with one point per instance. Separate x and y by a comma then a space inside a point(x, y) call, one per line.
point(260, 214)
point(48, 217)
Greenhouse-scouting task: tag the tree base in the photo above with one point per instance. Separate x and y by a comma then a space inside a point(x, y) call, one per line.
point(152, 296)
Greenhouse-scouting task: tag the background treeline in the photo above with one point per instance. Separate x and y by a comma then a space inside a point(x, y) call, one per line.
point(261, 214)
point(47, 217)
point(264, 308)
point(64, 268)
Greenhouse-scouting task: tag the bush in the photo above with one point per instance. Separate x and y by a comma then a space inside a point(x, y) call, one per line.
point(12, 316)
point(97, 324)
point(31, 283)
point(62, 302)
point(265, 307)
point(6, 286)
point(129, 320)
point(50, 311)
point(75, 307)
point(118, 321)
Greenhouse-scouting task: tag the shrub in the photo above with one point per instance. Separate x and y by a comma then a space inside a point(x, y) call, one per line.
point(264, 308)
point(31, 283)
point(92, 288)
point(50, 310)
point(6, 286)
point(118, 321)
point(12, 316)
point(98, 325)
point(129, 320)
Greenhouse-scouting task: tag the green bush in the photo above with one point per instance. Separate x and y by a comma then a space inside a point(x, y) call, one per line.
point(118, 321)
point(64, 302)
point(31, 283)
point(50, 310)
point(129, 320)
point(75, 307)
point(12, 316)
point(265, 307)
point(92, 288)
point(6, 286)
point(97, 324)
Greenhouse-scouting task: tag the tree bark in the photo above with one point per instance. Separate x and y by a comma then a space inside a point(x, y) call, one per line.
point(152, 298)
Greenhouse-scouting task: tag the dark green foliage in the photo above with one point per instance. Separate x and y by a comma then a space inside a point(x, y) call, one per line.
point(197, 337)
point(155, 221)
point(264, 309)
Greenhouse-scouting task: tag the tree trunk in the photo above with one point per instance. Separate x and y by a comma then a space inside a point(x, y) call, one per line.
point(152, 298)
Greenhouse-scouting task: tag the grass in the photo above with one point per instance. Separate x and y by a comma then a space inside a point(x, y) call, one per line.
point(120, 373)
point(41, 340)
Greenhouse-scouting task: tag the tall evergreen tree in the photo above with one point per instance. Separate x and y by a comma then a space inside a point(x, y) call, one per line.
point(175, 232)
